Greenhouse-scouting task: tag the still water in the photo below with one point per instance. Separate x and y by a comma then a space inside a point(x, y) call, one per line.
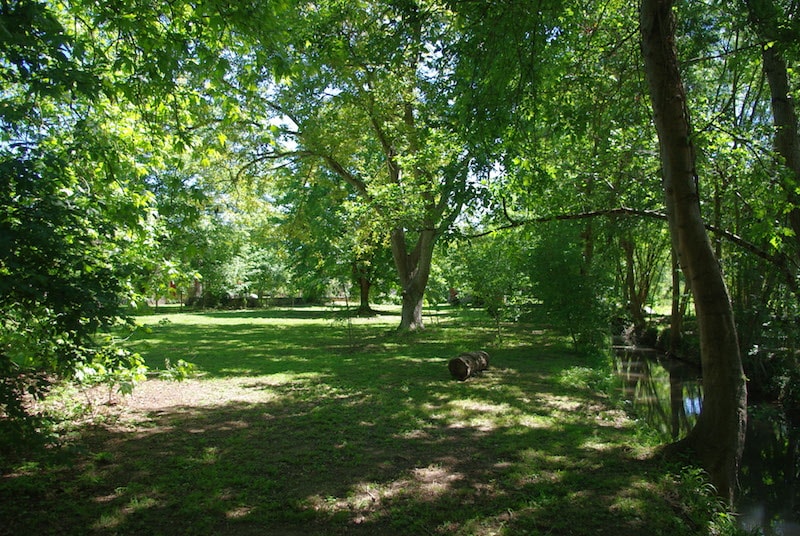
point(668, 393)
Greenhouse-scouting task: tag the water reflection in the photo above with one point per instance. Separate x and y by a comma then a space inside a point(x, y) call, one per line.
point(769, 475)
point(668, 394)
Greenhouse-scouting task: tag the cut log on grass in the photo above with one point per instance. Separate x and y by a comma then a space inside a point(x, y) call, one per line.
point(468, 364)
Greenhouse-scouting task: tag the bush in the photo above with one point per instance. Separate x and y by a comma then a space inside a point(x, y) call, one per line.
point(571, 290)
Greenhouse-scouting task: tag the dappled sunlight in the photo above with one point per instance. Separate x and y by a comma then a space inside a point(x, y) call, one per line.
point(559, 402)
point(636, 499)
point(374, 440)
point(486, 416)
point(421, 360)
point(479, 407)
point(367, 501)
point(597, 445)
point(238, 512)
point(119, 515)
point(539, 458)
point(479, 424)
point(534, 421)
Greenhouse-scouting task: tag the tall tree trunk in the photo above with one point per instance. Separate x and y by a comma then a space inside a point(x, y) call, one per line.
point(787, 140)
point(413, 269)
point(676, 314)
point(718, 437)
point(764, 15)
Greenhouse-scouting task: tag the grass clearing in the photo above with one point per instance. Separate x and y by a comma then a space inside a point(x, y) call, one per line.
point(305, 424)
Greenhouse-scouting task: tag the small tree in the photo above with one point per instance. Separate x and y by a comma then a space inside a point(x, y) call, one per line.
point(573, 293)
point(489, 269)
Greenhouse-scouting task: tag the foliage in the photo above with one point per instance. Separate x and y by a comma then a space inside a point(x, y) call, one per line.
point(572, 292)
point(74, 221)
point(112, 366)
point(489, 272)
point(181, 370)
point(703, 507)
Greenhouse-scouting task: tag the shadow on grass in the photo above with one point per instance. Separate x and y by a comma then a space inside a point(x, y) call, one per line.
point(378, 441)
point(260, 346)
point(298, 312)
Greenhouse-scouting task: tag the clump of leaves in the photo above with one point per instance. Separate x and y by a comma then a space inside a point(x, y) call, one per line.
point(112, 366)
point(181, 370)
point(703, 506)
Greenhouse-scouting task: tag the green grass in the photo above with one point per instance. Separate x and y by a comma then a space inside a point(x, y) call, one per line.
point(303, 423)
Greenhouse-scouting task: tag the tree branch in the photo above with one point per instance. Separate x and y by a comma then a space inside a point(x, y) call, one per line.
point(334, 164)
point(777, 259)
point(277, 155)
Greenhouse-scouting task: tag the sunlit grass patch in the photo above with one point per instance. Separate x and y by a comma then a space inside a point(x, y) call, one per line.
point(295, 429)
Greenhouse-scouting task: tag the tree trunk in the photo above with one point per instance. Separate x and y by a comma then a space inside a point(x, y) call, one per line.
point(413, 270)
point(362, 277)
point(787, 140)
point(764, 17)
point(468, 364)
point(364, 284)
point(718, 437)
point(676, 314)
point(635, 305)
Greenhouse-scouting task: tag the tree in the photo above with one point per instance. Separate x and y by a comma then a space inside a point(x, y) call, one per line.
point(718, 437)
point(327, 230)
point(644, 246)
point(73, 218)
point(770, 20)
point(367, 97)
point(489, 272)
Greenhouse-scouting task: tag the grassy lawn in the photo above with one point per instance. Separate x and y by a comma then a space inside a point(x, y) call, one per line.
point(304, 424)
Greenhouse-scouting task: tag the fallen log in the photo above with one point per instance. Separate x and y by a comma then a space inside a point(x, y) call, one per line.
point(468, 364)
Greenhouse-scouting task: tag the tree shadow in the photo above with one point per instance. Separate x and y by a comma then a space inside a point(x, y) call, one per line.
point(299, 312)
point(373, 446)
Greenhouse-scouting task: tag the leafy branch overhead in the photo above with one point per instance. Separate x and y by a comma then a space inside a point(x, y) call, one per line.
point(220, 153)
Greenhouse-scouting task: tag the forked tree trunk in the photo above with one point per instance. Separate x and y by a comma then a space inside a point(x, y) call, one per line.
point(718, 437)
point(413, 270)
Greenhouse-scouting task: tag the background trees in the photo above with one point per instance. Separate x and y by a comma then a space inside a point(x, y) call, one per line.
point(275, 146)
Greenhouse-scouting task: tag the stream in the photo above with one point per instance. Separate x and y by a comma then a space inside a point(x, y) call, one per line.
point(668, 394)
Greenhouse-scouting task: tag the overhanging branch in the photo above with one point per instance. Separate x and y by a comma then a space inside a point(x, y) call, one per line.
point(777, 259)
point(619, 211)
point(332, 163)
